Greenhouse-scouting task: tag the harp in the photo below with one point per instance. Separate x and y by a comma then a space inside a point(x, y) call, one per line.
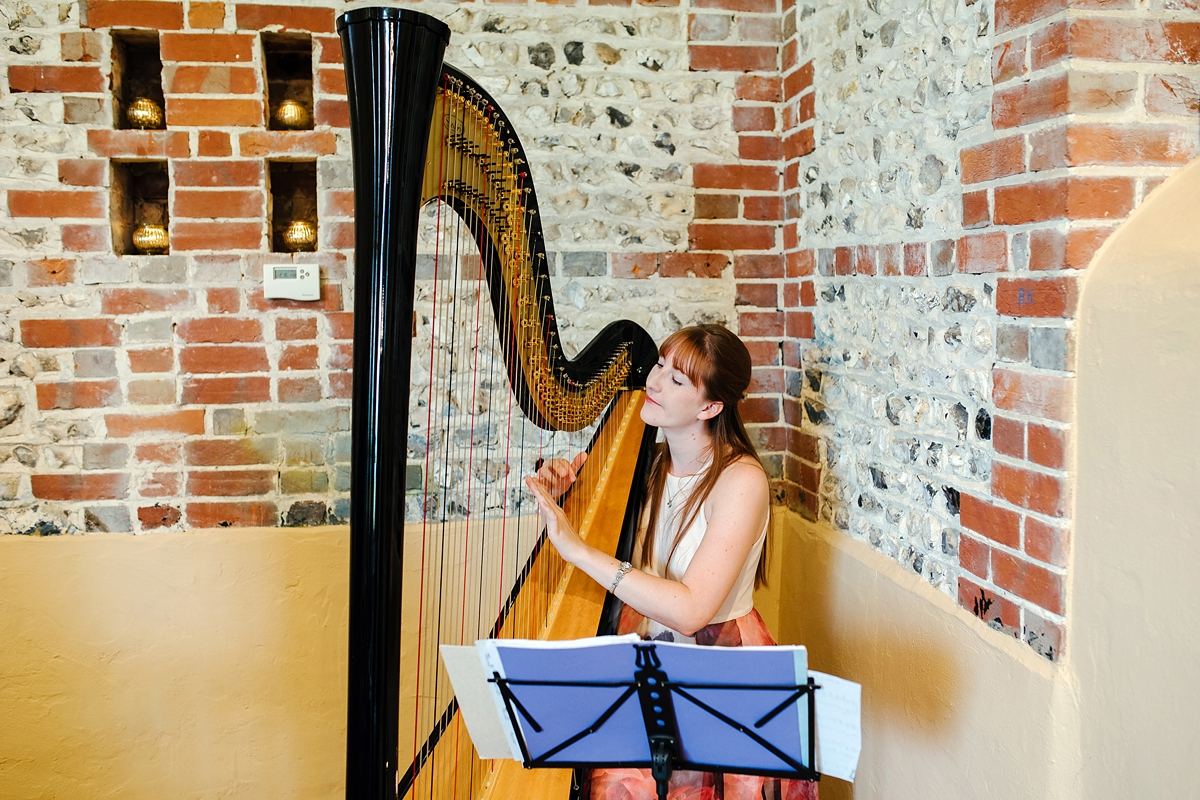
point(464, 559)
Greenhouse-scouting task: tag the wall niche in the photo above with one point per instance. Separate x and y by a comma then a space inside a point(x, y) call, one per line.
point(137, 81)
point(139, 207)
point(293, 193)
point(289, 81)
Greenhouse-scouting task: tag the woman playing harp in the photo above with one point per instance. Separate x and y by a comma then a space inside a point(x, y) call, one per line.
point(702, 548)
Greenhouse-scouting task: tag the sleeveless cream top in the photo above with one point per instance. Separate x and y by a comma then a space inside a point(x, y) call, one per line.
point(741, 597)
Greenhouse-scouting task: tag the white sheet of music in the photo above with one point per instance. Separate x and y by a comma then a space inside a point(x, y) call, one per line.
point(839, 725)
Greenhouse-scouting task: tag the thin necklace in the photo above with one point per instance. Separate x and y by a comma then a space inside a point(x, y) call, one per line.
point(672, 495)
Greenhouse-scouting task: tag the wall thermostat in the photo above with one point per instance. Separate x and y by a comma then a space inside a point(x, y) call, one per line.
point(292, 281)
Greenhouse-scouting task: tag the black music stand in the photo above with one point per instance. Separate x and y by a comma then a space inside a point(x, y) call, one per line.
point(756, 724)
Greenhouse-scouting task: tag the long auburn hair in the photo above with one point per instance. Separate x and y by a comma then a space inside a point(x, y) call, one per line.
point(715, 360)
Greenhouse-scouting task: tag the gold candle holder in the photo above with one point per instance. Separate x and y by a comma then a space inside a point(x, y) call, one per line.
point(144, 113)
point(150, 239)
point(292, 115)
point(301, 235)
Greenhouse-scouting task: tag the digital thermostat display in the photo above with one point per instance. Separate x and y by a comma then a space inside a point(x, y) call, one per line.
point(285, 273)
point(292, 282)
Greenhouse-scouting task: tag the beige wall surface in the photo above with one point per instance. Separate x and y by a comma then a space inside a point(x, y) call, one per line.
point(194, 665)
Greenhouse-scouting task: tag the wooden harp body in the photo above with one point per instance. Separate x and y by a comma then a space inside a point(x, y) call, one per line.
point(426, 136)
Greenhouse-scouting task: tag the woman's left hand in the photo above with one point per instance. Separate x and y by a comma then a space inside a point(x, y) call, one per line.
point(562, 534)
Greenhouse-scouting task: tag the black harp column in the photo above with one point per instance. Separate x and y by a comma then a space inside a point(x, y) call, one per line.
point(393, 62)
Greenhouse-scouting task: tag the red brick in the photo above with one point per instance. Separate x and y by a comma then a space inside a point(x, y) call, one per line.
point(1012, 14)
point(334, 113)
point(720, 176)
point(86, 238)
point(158, 516)
point(764, 354)
point(158, 452)
point(134, 14)
point(299, 390)
point(219, 330)
point(340, 385)
point(800, 263)
point(289, 329)
point(1135, 41)
point(210, 204)
point(158, 391)
point(983, 252)
point(79, 394)
point(341, 326)
point(716, 206)
point(1046, 542)
point(1030, 202)
point(83, 171)
point(1100, 198)
point(759, 6)
point(998, 524)
point(298, 357)
point(761, 323)
point(331, 81)
point(758, 266)
point(807, 107)
point(81, 46)
point(205, 47)
point(158, 359)
point(216, 236)
point(763, 295)
point(142, 144)
point(330, 49)
point(1008, 60)
point(789, 54)
point(186, 422)
point(187, 110)
point(1048, 149)
point(1030, 102)
point(56, 203)
point(231, 452)
point(1047, 249)
point(211, 79)
point(760, 148)
point(331, 300)
point(1049, 45)
point(1082, 244)
point(1008, 437)
point(50, 271)
point(808, 294)
point(1047, 446)
point(223, 301)
point(1101, 92)
point(206, 15)
point(226, 391)
point(215, 144)
point(1035, 491)
point(288, 18)
point(271, 143)
point(753, 118)
point(139, 301)
point(218, 173)
point(989, 606)
point(340, 235)
point(1134, 145)
point(765, 88)
point(864, 259)
point(159, 484)
point(230, 482)
point(993, 160)
point(759, 410)
point(975, 210)
point(1037, 297)
point(235, 515)
point(1044, 396)
point(765, 208)
point(804, 446)
point(695, 265)
point(86, 486)
point(725, 58)
point(799, 324)
point(799, 81)
point(340, 203)
point(1172, 94)
point(799, 144)
point(915, 258)
point(341, 356)
point(67, 79)
point(729, 237)
point(216, 359)
point(625, 265)
point(1028, 581)
point(974, 556)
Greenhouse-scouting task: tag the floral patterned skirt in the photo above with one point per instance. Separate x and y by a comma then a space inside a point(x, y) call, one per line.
point(636, 784)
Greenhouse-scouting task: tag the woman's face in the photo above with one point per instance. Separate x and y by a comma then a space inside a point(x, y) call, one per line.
point(672, 400)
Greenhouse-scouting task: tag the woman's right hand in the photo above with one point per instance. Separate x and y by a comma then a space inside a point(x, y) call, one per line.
point(557, 474)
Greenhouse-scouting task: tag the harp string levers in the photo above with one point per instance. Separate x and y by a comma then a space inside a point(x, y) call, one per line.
point(475, 561)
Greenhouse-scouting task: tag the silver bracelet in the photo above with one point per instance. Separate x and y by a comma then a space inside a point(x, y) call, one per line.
point(622, 571)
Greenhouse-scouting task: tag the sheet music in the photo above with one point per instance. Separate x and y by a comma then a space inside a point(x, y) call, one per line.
point(490, 732)
point(839, 726)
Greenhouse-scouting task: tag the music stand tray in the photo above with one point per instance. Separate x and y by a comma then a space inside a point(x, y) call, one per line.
point(620, 702)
